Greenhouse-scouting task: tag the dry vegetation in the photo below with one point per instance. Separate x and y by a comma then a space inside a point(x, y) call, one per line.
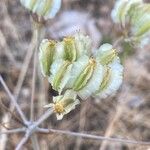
point(126, 115)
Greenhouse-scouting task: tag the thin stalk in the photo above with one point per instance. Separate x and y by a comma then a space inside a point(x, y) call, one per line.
point(23, 141)
point(13, 100)
point(35, 143)
point(111, 126)
point(26, 63)
point(13, 131)
point(43, 117)
point(37, 30)
point(94, 137)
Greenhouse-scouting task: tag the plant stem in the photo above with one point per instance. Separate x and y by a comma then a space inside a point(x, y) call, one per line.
point(90, 136)
point(35, 143)
point(13, 101)
point(25, 64)
point(22, 142)
point(18, 130)
point(37, 31)
point(44, 117)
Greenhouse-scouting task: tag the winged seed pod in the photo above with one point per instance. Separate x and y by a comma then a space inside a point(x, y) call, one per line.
point(121, 9)
point(72, 70)
point(63, 104)
point(106, 54)
point(134, 16)
point(111, 81)
point(44, 8)
point(90, 78)
point(60, 74)
point(70, 49)
point(46, 55)
point(76, 46)
point(100, 75)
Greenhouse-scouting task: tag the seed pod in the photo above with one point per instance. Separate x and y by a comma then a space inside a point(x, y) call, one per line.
point(112, 80)
point(63, 104)
point(106, 54)
point(76, 46)
point(85, 75)
point(140, 24)
point(93, 84)
point(44, 8)
point(70, 52)
point(121, 10)
point(46, 55)
point(77, 69)
point(82, 44)
point(60, 74)
point(134, 16)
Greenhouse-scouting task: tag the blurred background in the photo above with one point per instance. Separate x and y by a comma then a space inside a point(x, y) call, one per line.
point(125, 115)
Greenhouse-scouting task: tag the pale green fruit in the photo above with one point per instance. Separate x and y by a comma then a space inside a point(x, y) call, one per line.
point(70, 52)
point(106, 54)
point(134, 17)
point(60, 74)
point(44, 8)
point(121, 10)
point(63, 104)
point(46, 56)
point(112, 80)
point(76, 46)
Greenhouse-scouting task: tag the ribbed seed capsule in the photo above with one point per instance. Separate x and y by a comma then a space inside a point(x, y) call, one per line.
point(106, 54)
point(85, 76)
point(70, 52)
point(60, 74)
point(121, 10)
point(108, 57)
point(134, 16)
point(32, 3)
point(106, 79)
point(143, 25)
point(93, 84)
point(46, 56)
point(112, 80)
point(44, 8)
point(82, 44)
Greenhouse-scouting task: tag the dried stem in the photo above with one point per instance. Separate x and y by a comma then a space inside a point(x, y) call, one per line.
point(22, 142)
point(22, 75)
point(34, 139)
point(111, 126)
point(81, 124)
point(26, 64)
point(44, 117)
point(14, 116)
point(33, 128)
point(37, 30)
point(35, 143)
point(13, 100)
point(94, 137)
point(18, 130)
